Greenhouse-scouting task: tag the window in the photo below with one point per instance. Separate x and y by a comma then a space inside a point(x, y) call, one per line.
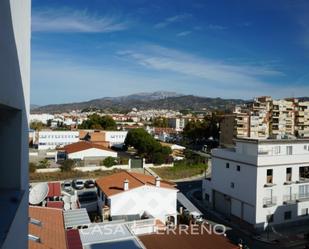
point(269, 178)
point(232, 184)
point(270, 218)
point(304, 211)
point(304, 173)
point(289, 150)
point(288, 174)
point(227, 165)
point(238, 168)
point(277, 150)
point(287, 215)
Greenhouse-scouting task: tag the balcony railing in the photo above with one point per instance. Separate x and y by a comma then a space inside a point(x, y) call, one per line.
point(303, 197)
point(291, 198)
point(269, 201)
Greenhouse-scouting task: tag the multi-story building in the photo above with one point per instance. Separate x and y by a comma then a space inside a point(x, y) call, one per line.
point(262, 182)
point(14, 112)
point(49, 140)
point(264, 118)
point(177, 123)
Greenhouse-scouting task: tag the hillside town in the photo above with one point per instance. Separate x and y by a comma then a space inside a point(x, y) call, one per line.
point(154, 124)
point(244, 170)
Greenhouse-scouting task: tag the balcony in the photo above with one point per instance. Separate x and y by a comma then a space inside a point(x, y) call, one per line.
point(290, 199)
point(270, 201)
point(303, 197)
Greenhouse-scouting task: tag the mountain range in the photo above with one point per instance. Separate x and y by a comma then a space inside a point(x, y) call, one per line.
point(142, 101)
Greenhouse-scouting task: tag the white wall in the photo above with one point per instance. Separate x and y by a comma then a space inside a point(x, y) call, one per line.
point(93, 152)
point(49, 140)
point(14, 110)
point(116, 138)
point(159, 202)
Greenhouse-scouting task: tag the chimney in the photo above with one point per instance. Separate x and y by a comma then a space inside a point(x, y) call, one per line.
point(126, 185)
point(158, 180)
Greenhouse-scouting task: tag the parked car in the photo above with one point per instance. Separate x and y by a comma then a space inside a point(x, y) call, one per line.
point(78, 184)
point(67, 186)
point(89, 184)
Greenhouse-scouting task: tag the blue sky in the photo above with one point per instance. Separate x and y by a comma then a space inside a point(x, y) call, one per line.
point(225, 48)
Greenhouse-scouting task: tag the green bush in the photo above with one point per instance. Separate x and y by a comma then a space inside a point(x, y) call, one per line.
point(67, 165)
point(109, 161)
point(43, 164)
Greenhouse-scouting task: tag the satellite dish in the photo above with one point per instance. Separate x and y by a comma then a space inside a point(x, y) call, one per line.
point(38, 193)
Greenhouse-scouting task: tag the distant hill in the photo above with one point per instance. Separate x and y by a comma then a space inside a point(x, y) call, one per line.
point(156, 100)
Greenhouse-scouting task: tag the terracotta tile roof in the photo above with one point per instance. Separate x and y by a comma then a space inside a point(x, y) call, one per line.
point(181, 240)
point(51, 232)
point(158, 130)
point(113, 184)
point(55, 204)
point(73, 238)
point(54, 189)
point(82, 145)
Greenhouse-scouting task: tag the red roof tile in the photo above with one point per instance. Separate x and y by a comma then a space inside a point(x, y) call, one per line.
point(54, 189)
point(113, 184)
point(55, 204)
point(82, 145)
point(73, 239)
point(51, 232)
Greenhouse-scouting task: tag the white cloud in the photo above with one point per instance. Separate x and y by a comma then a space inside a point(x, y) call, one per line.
point(172, 19)
point(160, 58)
point(184, 33)
point(216, 27)
point(75, 21)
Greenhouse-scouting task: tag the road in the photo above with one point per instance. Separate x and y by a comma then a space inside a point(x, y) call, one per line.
point(192, 190)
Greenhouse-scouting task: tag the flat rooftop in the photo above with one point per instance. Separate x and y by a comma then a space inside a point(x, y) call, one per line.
point(272, 140)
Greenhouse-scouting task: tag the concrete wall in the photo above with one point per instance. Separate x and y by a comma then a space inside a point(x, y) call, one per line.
point(93, 153)
point(14, 109)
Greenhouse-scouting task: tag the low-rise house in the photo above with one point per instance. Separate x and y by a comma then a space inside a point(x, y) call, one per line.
point(133, 196)
point(83, 150)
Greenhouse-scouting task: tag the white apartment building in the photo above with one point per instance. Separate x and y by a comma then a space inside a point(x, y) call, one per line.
point(262, 182)
point(15, 20)
point(177, 123)
point(115, 138)
point(44, 117)
point(49, 140)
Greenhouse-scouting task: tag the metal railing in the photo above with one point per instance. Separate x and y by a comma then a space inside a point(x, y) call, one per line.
point(269, 201)
point(290, 198)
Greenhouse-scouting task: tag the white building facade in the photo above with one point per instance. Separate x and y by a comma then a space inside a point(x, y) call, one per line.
point(91, 153)
point(15, 20)
point(262, 182)
point(49, 140)
point(115, 138)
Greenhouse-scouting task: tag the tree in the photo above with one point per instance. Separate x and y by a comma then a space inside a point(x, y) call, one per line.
point(95, 121)
point(109, 161)
point(198, 131)
point(160, 122)
point(44, 164)
point(67, 165)
point(147, 146)
point(32, 167)
point(37, 125)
